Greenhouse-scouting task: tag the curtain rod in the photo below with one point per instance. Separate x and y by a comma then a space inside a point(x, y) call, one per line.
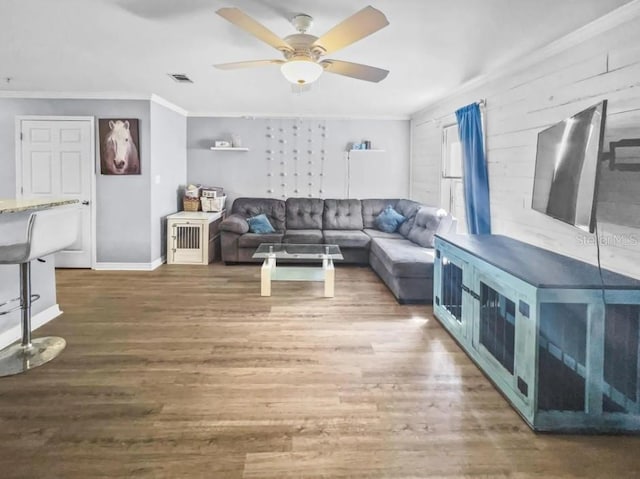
point(482, 103)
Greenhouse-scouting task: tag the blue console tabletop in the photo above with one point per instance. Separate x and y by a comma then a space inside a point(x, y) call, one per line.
point(539, 267)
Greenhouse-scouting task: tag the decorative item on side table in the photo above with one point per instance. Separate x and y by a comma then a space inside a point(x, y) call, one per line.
point(191, 200)
point(212, 198)
point(191, 204)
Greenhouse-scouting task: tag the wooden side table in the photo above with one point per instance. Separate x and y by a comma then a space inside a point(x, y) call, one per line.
point(193, 237)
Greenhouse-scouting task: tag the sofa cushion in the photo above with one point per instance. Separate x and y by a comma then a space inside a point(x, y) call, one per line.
point(235, 224)
point(304, 213)
point(342, 215)
point(303, 236)
point(403, 258)
point(347, 238)
point(372, 208)
point(274, 209)
point(425, 226)
point(408, 209)
point(374, 233)
point(260, 224)
point(253, 240)
point(389, 220)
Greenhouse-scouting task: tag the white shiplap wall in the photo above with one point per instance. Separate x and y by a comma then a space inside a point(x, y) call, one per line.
point(519, 105)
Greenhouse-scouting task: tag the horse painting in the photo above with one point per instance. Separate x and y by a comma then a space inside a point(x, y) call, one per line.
point(119, 147)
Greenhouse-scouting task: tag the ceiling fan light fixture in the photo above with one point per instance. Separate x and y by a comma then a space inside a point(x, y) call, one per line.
point(303, 52)
point(301, 70)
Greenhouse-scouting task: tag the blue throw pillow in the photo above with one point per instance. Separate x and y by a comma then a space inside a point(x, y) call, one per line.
point(389, 220)
point(260, 224)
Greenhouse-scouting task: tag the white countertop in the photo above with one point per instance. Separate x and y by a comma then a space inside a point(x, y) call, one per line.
point(19, 205)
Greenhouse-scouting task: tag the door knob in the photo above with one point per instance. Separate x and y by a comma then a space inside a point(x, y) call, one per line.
point(85, 203)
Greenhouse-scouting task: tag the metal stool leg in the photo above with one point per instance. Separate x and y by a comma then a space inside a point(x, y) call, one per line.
point(25, 303)
point(28, 354)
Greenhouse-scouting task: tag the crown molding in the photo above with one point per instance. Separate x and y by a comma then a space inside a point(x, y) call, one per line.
point(611, 20)
point(293, 116)
point(167, 104)
point(69, 95)
point(59, 95)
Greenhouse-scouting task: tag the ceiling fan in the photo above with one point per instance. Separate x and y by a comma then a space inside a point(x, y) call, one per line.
point(303, 63)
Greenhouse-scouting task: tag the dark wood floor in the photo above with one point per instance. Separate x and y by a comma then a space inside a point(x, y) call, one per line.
point(186, 372)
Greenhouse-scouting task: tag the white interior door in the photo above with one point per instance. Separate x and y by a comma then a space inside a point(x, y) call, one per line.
point(57, 161)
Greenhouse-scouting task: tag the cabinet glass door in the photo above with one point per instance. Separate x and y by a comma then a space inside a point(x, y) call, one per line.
point(621, 386)
point(497, 327)
point(452, 289)
point(449, 295)
point(562, 357)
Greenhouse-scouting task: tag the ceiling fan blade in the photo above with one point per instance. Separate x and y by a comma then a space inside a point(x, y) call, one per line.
point(255, 28)
point(355, 70)
point(358, 26)
point(249, 64)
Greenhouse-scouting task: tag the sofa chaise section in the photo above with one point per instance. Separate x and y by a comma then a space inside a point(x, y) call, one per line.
point(406, 264)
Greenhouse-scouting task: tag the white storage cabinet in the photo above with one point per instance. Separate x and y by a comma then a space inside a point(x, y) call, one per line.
point(193, 237)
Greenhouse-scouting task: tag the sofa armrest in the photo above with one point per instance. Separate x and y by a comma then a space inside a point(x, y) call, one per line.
point(235, 224)
point(448, 224)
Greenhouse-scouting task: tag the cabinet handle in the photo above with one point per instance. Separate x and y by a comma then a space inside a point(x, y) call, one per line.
point(471, 293)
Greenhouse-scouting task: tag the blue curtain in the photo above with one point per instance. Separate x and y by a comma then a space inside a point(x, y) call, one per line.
point(475, 177)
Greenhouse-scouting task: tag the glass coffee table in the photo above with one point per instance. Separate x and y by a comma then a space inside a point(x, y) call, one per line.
point(308, 253)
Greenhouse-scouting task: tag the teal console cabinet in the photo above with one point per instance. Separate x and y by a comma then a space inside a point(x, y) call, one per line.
point(563, 349)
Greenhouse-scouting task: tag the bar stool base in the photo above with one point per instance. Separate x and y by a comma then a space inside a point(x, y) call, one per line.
point(17, 359)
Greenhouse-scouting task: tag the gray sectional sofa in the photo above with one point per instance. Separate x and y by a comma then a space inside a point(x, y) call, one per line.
point(403, 260)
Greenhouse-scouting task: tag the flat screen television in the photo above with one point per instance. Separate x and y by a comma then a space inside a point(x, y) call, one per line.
point(567, 163)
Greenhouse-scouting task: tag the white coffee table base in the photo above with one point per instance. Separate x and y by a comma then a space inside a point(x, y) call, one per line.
point(270, 272)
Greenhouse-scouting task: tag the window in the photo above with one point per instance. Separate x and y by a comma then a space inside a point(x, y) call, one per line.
point(451, 188)
point(451, 152)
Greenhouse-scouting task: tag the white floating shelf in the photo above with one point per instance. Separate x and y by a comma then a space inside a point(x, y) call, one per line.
point(228, 148)
point(364, 151)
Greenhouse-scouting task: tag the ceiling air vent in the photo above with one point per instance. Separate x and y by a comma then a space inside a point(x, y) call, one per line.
point(180, 77)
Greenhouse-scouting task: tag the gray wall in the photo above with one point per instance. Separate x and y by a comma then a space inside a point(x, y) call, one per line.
point(246, 174)
point(123, 205)
point(168, 171)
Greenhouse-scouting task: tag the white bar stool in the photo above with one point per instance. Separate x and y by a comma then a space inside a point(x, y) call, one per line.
point(48, 231)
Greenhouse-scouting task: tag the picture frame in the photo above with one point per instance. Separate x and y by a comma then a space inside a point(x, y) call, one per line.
point(119, 146)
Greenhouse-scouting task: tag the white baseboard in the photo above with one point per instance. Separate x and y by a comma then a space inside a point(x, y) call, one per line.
point(130, 266)
point(158, 262)
point(12, 335)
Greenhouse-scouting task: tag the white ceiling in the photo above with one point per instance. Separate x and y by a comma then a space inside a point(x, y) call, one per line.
point(128, 46)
